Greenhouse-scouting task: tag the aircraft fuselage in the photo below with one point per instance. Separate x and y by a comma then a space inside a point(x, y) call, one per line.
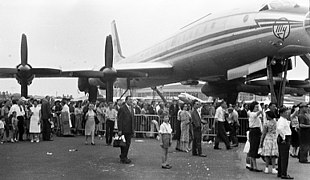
point(207, 50)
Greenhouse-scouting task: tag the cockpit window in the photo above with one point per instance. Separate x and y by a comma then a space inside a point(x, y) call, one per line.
point(279, 4)
point(264, 8)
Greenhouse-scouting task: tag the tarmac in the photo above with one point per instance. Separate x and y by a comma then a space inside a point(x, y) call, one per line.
point(69, 158)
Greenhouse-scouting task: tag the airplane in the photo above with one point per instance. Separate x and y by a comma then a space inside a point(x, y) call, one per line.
point(187, 98)
point(224, 50)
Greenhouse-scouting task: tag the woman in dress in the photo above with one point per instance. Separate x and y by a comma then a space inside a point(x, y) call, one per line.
point(90, 124)
point(100, 114)
point(185, 118)
point(78, 116)
point(34, 127)
point(269, 144)
point(295, 128)
point(254, 114)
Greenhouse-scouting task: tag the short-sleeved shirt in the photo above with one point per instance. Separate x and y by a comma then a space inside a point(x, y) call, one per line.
point(254, 120)
point(111, 114)
point(220, 114)
point(165, 128)
point(283, 127)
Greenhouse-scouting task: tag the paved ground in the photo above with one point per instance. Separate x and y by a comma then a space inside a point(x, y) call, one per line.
point(25, 160)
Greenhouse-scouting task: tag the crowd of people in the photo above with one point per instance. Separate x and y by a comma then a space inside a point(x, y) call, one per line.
point(271, 131)
point(277, 133)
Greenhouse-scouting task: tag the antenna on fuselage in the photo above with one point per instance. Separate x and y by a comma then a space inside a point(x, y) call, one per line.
point(196, 20)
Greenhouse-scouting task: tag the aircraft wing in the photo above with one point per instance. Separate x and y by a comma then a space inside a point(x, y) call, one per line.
point(144, 69)
point(125, 70)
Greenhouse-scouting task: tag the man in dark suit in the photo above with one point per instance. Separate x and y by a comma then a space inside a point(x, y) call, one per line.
point(125, 122)
point(45, 116)
point(196, 121)
point(136, 108)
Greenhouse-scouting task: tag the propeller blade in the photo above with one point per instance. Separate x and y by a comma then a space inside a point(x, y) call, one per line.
point(47, 71)
point(108, 52)
point(8, 70)
point(24, 50)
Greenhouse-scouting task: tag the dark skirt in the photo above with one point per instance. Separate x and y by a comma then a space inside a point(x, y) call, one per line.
point(254, 138)
point(295, 137)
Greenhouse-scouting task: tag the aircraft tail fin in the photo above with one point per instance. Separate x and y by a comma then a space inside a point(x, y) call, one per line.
point(117, 51)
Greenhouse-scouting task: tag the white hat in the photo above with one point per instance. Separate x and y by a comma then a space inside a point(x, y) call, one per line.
point(23, 99)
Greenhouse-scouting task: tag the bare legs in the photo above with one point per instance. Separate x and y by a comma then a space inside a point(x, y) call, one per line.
point(164, 157)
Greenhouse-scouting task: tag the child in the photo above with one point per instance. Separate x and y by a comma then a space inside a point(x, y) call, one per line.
point(2, 123)
point(165, 139)
point(269, 144)
point(15, 127)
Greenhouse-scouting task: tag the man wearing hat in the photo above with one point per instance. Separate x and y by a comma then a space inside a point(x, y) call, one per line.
point(304, 133)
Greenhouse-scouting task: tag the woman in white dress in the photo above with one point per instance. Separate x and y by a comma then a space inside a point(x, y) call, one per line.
point(90, 124)
point(35, 124)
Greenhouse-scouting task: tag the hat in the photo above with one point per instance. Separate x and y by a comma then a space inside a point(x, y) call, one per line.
point(230, 108)
point(23, 99)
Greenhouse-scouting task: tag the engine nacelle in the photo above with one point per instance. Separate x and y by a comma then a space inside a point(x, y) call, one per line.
point(83, 84)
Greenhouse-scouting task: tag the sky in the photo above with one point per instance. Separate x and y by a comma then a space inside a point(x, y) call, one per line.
point(70, 34)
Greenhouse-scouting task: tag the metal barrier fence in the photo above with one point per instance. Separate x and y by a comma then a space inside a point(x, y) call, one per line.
point(208, 130)
point(148, 125)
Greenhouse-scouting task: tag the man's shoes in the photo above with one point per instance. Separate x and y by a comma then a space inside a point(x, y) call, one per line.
point(178, 149)
point(126, 161)
point(234, 145)
point(287, 177)
point(304, 162)
point(228, 148)
point(202, 155)
point(255, 170)
point(166, 166)
point(195, 154)
point(217, 148)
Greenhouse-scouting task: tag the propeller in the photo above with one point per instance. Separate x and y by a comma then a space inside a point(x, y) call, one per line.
point(24, 73)
point(107, 74)
point(108, 65)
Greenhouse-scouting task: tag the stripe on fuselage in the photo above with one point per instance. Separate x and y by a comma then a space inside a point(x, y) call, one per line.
point(231, 35)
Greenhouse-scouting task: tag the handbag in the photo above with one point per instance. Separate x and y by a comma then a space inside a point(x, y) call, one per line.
point(119, 141)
